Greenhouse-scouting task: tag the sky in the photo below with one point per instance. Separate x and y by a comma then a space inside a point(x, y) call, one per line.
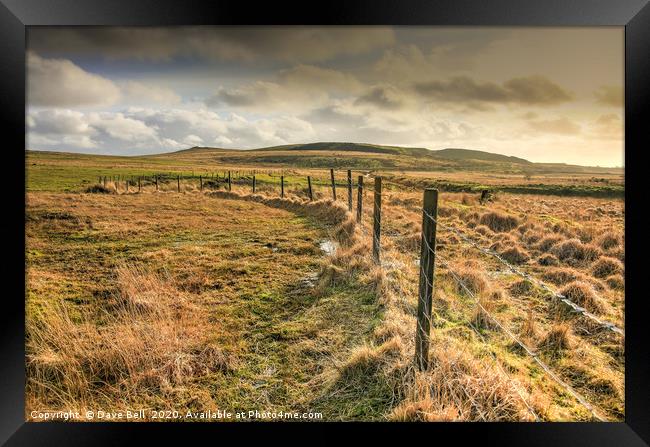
point(544, 94)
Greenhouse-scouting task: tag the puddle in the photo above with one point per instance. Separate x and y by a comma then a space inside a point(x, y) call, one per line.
point(328, 247)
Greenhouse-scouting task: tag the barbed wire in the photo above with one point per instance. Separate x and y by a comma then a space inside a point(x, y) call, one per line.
point(562, 298)
point(515, 339)
point(494, 356)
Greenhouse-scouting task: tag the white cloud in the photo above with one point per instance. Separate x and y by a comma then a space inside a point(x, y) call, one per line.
point(60, 83)
point(122, 128)
point(140, 93)
point(153, 130)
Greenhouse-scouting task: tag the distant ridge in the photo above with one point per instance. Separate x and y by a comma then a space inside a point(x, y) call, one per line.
point(443, 154)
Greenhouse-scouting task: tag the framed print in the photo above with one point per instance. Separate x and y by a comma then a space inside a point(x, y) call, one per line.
point(382, 215)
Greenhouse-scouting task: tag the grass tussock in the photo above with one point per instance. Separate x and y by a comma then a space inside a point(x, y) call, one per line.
point(474, 279)
point(557, 339)
point(609, 240)
point(606, 266)
point(616, 282)
point(98, 189)
point(459, 387)
point(574, 252)
point(547, 260)
point(546, 243)
point(499, 222)
point(583, 294)
point(515, 255)
point(151, 343)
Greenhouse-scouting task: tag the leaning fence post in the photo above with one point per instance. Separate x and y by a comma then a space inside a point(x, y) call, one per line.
point(229, 184)
point(333, 185)
point(253, 183)
point(349, 190)
point(311, 194)
point(359, 199)
point(427, 264)
point(376, 232)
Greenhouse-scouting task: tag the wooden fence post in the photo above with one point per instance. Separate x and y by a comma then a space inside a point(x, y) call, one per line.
point(139, 183)
point(349, 190)
point(253, 183)
point(333, 185)
point(359, 199)
point(427, 264)
point(156, 177)
point(376, 232)
point(229, 184)
point(282, 186)
point(311, 194)
point(178, 183)
point(200, 183)
point(104, 181)
point(127, 185)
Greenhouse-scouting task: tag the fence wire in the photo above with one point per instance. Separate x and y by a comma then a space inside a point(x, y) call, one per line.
point(562, 298)
point(521, 344)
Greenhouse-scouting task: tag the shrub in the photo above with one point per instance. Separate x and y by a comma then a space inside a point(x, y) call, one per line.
point(499, 222)
point(606, 266)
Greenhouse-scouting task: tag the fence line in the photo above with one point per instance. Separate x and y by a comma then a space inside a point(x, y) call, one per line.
point(428, 258)
point(579, 309)
point(521, 344)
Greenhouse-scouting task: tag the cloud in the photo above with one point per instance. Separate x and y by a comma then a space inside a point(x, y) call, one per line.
point(120, 127)
point(607, 127)
point(531, 90)
point(258, 93)
point(250, 44)
point(536, 90)
point(294, 89)
point(158, 130)
point(561, 126)
point(609, 95)
point(60, 83)
point(383, 97)
point(140, 93)
point(314, 77)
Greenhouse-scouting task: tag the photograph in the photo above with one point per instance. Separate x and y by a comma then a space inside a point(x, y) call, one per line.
point(341, 223)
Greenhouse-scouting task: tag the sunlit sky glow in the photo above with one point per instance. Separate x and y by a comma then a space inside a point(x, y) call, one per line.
point(545, 94)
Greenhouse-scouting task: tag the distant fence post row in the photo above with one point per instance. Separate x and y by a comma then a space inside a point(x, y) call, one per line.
point(427, 250)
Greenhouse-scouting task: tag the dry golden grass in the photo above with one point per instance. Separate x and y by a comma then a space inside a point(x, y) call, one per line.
point(561, 240)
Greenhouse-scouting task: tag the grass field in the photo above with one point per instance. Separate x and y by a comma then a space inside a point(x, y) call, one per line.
point(225, 300)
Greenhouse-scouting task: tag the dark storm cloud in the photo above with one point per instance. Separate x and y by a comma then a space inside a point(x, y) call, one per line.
point(381, 97)
point(218, 43)
point(532, 90)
